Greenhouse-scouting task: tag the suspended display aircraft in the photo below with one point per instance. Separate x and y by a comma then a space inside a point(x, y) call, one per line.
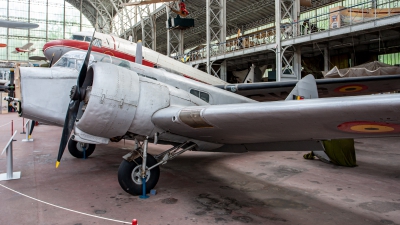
point(119, 50)
point(110, 103)
point(18, 25)
point(144, 2)
point(24, 49)
point(3, 45)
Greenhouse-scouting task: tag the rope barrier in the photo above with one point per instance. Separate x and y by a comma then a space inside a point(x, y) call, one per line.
point(60, 207)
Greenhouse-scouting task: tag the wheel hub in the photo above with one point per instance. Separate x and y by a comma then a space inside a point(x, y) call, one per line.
point(137, 175)
point(81, 145)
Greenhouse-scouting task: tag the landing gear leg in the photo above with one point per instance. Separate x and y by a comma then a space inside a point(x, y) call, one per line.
point(144, 196)
point(130, 172)
point(139, 172)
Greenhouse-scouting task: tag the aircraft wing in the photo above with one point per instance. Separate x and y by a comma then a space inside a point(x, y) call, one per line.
point(335, 87)
point(27, 46)
point(282, 121)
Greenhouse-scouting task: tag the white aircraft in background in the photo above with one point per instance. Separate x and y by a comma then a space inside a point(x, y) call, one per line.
point(24, 49)
point(119, 51)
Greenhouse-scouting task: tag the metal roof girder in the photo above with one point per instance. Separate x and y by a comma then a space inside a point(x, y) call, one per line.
point(97, 3)
point(99, 12)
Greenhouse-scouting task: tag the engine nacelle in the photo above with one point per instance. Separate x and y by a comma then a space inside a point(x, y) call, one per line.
point(111, 100)
point(118, 100)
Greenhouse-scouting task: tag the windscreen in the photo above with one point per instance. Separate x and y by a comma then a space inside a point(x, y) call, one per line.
point(73, 60)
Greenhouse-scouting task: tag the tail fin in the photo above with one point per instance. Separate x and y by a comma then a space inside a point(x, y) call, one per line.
point(306, 88)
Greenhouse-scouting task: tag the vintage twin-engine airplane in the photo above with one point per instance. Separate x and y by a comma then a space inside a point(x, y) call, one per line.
point(117, 50)
point(24, 49)
point(110, 102)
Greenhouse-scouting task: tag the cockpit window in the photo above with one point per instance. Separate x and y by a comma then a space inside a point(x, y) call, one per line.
point(78, 37)
point(88, 39)
point(73, 60)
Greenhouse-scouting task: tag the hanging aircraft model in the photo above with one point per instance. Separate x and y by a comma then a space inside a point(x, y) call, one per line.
point(111, 103)
point(18, 25)
point(117, 50)
point(24, 49)
point(144, 2)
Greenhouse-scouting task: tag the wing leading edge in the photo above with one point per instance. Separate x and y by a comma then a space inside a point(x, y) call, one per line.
point(311, 119)
point(335, 87)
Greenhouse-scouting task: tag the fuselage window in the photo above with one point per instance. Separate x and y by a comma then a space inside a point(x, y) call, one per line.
point(88, 39)
point(125, 64)
point(97, 42)
point(78, 37)
point(202, 95)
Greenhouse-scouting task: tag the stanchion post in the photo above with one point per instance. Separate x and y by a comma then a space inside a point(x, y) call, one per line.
point(12, 127)
point(28, 128)
point(10, 175)
point(134, 222)
point(23, 125)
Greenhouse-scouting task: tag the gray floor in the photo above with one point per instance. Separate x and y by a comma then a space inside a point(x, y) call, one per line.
point(200, 188)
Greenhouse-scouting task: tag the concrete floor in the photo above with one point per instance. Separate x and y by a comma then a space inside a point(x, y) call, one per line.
point(200, 188)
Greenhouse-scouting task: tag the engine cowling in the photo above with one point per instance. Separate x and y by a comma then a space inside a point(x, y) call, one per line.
point(111, 101)
point(117, 101)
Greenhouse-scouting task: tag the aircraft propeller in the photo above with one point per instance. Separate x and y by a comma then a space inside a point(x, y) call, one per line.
point(51, 61)
point(76, 96)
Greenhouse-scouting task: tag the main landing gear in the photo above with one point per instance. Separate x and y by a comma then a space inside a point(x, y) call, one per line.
point(132, 170)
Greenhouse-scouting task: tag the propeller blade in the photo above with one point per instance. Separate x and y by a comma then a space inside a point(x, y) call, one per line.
point(139, 53)
point(85, 65)
point(51, 61)
point(73, 106)
point(67, 129)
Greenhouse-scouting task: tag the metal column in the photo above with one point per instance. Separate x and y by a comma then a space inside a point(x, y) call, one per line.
point(175, 39)
point(148, 27)
point(297, 62)
point(216, 30)
point(223, 72)
point(80, 17)
point(287, 57)
point(278, 46)
point(326, 59)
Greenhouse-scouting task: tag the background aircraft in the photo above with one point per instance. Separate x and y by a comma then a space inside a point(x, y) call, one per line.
point(24, 49)
point(118, 50)
point(147, 104)
point(18, 25)
point(143, 2)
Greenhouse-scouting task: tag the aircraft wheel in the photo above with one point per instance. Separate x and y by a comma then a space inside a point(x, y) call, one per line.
point(76, 148)
point(129, 175)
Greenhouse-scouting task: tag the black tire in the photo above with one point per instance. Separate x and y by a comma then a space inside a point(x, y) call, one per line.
point(76, 150)
point(126, 175)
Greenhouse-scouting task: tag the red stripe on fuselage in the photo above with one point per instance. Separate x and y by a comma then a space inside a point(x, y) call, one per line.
point(82, 45)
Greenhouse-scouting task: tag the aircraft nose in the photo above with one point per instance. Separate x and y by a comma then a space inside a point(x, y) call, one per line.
point(53, 50)
point(44, 93)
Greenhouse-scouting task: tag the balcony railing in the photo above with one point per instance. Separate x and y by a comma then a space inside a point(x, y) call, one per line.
point(336, 18)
